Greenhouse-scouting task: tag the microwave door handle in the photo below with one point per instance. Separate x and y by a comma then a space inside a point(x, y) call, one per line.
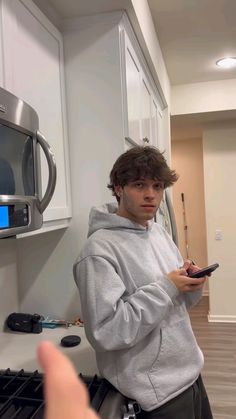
point(52, 172)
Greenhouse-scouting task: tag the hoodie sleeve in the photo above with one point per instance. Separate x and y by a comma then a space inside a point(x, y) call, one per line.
point(192, 298)
point(112, 319)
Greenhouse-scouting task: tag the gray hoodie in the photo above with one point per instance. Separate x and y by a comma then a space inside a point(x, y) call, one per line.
point(134, 316)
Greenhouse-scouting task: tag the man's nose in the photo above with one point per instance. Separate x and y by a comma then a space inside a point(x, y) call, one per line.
point(149, 193)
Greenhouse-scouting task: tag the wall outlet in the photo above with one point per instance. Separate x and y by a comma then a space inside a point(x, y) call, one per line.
point(218, 235)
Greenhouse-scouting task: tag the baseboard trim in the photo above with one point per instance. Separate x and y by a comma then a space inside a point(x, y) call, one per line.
point(221, 319)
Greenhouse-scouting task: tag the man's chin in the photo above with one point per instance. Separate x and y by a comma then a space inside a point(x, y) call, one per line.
point(149, 214)
point(148, 217)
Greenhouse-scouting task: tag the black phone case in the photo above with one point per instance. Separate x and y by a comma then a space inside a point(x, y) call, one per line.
point(204, 272)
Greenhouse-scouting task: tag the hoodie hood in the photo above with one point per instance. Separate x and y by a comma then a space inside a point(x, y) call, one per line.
point(105, 217)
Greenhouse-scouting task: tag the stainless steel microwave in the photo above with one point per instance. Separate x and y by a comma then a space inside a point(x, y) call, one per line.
point(21, 206)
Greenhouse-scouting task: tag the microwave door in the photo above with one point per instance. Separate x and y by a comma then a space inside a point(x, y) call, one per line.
point(20, 207)
point(7, 179)
point(28, 169)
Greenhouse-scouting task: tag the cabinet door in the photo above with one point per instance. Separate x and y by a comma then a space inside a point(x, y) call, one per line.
point(141, 109)
point(133, 77)
point(155, 124)
point(157, 127)
point(146, 112)
point(33, 71)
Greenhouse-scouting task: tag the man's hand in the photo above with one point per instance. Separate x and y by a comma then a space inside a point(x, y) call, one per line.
point(184, 283)
point(190, 267)
point(66, 396)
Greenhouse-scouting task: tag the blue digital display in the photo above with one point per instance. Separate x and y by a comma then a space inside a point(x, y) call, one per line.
point(4, 217)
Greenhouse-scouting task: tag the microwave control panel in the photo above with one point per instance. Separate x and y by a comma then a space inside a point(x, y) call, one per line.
point(14, 215)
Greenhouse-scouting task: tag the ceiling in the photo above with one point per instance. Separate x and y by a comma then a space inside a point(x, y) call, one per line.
point(73, 8)
point(193, 34)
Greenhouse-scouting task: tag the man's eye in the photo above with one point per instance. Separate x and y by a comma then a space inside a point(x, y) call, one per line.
point(139, 185)
point(159, 186)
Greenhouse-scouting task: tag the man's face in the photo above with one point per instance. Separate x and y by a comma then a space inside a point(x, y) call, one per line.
point(140, 200)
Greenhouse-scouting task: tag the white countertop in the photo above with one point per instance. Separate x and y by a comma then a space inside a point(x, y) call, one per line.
point(18, 350)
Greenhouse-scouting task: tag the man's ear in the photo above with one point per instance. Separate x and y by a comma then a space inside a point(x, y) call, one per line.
point(118, 190)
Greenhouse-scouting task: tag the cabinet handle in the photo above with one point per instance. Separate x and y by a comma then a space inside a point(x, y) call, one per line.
point(146, 140)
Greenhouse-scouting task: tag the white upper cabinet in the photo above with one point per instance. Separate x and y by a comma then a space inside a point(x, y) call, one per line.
point(33, 69)
point(133, 76)
point(157, 126)
point(143, 111)
point(146, 112)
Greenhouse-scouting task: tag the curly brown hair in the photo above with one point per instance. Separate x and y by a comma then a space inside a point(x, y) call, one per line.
point(141, 162)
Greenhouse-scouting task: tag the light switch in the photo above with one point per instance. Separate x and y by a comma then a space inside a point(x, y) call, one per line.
point(218, 235)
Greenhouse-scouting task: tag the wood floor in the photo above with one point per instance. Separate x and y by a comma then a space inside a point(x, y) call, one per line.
point(218, 343)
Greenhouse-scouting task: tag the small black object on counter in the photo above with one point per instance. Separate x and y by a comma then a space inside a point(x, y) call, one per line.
point(24, 322)
point(70, 340)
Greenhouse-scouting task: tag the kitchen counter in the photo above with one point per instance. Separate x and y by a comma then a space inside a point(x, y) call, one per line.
point(18, 350)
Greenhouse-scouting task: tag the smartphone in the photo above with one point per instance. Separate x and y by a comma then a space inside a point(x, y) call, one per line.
point(204, 271)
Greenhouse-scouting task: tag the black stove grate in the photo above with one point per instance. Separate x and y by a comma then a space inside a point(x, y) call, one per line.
point(21, 393)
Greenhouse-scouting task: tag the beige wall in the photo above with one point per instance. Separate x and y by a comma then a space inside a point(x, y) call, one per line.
point(219, 145)
point(187, 160)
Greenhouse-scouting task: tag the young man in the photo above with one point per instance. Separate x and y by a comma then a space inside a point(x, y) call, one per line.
point(135, 292)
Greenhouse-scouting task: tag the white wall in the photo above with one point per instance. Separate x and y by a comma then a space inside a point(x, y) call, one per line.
point(8, 279)
point(45, 279)
point(219, 145)
point(94, 110)
point(209, 96)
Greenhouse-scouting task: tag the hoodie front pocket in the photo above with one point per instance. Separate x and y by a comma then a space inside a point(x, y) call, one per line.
point(179, 360)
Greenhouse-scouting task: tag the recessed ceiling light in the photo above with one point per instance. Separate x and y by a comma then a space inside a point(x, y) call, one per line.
point(227, 62)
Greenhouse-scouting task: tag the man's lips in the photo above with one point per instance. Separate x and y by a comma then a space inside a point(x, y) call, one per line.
point(148, 206)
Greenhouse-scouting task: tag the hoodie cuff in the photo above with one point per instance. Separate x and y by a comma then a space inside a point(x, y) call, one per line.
point(169, 287)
